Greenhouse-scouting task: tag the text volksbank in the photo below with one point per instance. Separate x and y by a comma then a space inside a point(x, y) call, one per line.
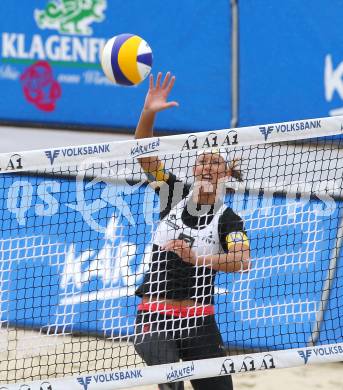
point(320, 351)
point(117, 376)
point(110, 377)
point(77, 151)
point(286, 127)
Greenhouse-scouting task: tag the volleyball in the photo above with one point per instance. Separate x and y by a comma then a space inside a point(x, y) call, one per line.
point(126, 59)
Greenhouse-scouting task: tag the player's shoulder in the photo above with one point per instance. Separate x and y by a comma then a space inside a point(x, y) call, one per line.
point(229, 220)
point(168, 178)
point(175, 183)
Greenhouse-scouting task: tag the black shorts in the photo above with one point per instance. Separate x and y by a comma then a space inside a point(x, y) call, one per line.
point(162, 339)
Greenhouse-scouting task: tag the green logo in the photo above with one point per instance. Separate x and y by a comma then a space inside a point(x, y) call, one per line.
point(71, 16)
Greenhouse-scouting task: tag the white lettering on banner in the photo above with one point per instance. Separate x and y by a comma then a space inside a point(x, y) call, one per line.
point(96, 78)
point(9, 73)
point(333, 82)
point(333, 79)
point(54, 48)
point(8, 48)
point(111, 194)
point(51, 52)
point(114, 264)
point(37, 50)
point(69, 78)
point(44, 191)
point(19, 199)
point(21, 53)
point(20, 195)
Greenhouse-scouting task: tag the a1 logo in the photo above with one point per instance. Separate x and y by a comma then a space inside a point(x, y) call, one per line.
point(14, 163)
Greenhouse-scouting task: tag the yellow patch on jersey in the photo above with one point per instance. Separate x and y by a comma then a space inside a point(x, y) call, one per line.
point(160, 174)
point(237, 238)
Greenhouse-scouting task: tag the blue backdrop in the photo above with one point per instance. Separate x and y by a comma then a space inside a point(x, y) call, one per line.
point(290, 60)
point(68, 269)
point(189, 38)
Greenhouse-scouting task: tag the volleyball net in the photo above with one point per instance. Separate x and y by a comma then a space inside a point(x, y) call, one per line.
point(77, 231)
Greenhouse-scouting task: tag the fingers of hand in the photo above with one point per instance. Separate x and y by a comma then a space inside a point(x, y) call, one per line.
point(151, 82)
point(180, 244)
point(158, 81)
point(174, 244)
point(165, 81)
point(172, 104)
point(168, 246)
point(171, 84)
point(181, 248)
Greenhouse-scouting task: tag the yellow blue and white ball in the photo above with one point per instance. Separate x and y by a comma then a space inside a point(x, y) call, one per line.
point(126, 59)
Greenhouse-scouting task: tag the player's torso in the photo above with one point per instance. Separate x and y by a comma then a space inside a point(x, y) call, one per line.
point(203, 239)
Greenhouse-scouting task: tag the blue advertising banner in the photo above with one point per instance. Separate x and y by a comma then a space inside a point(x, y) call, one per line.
point(50, 70)
point(276, 303)
point(291, 62)
point(73, 254)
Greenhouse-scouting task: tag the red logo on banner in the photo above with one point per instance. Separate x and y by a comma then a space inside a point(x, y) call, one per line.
point(39, 86)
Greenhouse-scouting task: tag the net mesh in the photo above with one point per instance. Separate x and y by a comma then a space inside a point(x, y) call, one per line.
point(77, 242)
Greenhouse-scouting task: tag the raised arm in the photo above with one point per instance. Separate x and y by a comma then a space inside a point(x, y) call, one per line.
point(236, 260)
point(234, 242)
point(155, 101)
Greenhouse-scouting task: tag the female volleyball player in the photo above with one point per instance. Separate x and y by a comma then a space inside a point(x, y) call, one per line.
point(197, 236)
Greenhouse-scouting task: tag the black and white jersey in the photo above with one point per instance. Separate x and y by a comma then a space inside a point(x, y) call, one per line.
point(207, 231)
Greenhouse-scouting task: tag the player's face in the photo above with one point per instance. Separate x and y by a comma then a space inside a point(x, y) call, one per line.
point(210, 167)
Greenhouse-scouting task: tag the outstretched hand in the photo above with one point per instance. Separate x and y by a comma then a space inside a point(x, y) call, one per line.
point(157, 96)
point(182, 249)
